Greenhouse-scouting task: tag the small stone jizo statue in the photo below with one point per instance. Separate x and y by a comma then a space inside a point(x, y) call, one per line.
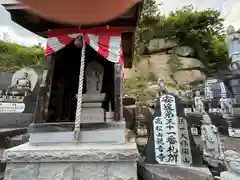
point(198, 102)
point(189, 92)
point(226, 105)
point(210, 137)
point(161, 84)
point(232, 162)
point(94, 77)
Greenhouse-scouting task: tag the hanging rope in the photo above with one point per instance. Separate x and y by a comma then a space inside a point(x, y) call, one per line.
point(79, 95)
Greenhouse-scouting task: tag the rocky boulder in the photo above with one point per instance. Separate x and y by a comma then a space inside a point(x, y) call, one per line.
point(188, 76)
point(190, 63)
point(160, 44)
point(184, 51)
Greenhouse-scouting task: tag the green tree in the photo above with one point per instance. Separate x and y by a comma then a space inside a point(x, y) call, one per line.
point(14, 56)
point(145, 30)
point(200, 30)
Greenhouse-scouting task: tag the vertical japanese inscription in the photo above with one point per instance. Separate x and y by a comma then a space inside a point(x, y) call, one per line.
point(166, 135)
point(186, 156)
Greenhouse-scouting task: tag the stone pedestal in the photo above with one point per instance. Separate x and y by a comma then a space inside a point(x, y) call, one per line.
point(95, 161)
point(92, 111)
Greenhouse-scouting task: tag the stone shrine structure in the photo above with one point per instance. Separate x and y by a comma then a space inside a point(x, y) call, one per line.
point(210, 137)
point(70, 137)
point(232, 162)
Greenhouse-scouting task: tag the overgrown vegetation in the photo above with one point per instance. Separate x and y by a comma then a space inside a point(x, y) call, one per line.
point(14, 56)
point(200, 30)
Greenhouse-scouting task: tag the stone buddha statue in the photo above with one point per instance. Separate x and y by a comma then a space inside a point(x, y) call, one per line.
point(23, 82)
point(232, 162)
point(210, 137)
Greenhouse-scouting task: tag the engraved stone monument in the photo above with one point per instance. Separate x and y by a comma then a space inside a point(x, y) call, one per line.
point(92, 111)
point(232, 162)
point(171, 139)
point(171, 151)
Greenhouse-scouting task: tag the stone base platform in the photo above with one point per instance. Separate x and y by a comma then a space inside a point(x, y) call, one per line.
point(72, 162)
point(173, 172)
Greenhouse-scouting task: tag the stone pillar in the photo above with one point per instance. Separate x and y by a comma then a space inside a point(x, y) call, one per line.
point(118, 88)
point(72, 162)
point(43, 97)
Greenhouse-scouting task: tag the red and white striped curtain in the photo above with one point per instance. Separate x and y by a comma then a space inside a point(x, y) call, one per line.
point(106, 41)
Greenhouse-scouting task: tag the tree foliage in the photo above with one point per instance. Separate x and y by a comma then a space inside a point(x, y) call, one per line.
point(200, 30)
point(13, 56)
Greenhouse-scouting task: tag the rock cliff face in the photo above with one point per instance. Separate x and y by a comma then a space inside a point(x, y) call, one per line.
point(176, 64)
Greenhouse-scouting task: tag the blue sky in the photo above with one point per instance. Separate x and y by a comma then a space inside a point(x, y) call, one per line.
point(229, 8)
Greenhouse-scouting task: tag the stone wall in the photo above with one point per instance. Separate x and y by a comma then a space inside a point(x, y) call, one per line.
point(71, 171)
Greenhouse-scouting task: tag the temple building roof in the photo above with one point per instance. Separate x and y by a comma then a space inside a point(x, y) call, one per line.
point(40, 25)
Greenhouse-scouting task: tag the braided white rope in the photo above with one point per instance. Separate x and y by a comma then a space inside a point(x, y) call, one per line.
point(79, 95)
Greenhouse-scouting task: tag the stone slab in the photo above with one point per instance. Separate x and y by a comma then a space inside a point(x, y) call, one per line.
point(15, 120)
point(114, 132)
point(74, 152)
point(92, 115)
point(93, 97)
point(91, 105)
point(173, 172)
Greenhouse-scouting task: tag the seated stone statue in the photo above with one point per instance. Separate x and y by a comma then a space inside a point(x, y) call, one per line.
point(210, 137)
point(198, 102)
point(232, 162)
point(23, 82)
